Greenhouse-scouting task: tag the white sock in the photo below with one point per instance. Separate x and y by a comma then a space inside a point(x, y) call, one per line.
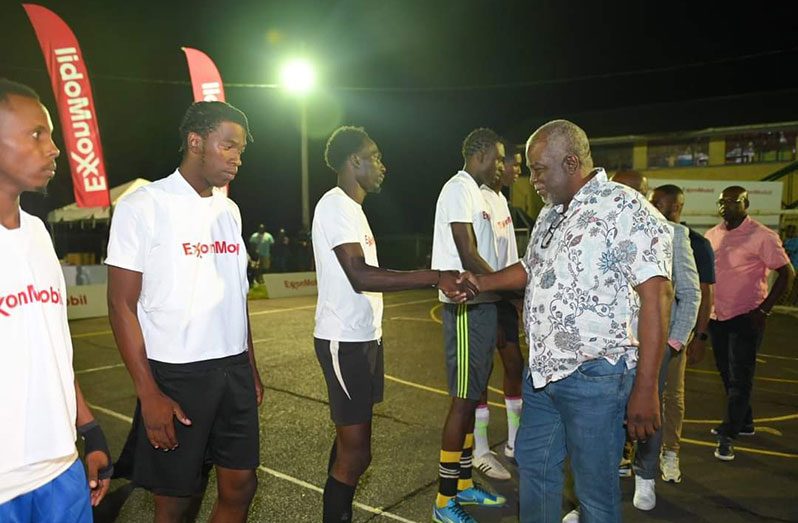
point(481, 420)
point(514, 406)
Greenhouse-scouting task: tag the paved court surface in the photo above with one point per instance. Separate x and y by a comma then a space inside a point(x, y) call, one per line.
point(296, 433)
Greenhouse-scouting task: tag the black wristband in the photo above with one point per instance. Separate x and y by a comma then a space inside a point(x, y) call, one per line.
point(437, 282)
point(94, 440)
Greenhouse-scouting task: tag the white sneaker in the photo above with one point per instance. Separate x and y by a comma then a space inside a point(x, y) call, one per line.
point(669, 466)
point(572, 517)
point(509, 451)
point(490, 465)
point(645, 498)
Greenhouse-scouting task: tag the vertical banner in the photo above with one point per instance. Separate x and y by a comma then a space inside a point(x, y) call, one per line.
point(70, 80)
point(206, 82)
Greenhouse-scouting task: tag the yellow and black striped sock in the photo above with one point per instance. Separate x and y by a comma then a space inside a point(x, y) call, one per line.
point(466, 461)
point(448, 474)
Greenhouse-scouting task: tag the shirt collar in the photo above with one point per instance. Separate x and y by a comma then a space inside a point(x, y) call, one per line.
point(181, 186)
point(599, 178)
point(464, 174)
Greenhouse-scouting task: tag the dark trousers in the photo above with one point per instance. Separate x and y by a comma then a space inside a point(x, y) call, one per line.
point(735, 343)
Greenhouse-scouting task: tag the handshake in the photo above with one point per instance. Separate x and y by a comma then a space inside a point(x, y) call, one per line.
point(457, 286)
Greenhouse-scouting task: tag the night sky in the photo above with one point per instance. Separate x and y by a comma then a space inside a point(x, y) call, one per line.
point(418, 75)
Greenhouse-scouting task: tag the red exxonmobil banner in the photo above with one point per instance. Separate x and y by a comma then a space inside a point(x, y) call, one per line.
point(70, 81)
point(206, 82)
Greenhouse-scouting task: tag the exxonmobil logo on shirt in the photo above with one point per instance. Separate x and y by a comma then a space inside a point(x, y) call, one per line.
point(504, 223)
point(27, 296)
point(200, 249)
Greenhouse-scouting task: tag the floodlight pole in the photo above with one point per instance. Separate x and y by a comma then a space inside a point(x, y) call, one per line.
point(303, 131)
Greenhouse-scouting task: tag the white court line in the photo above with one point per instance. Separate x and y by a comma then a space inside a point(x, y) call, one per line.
point(117, 365)
point(95, 369)
point(277, 474)
point(791, 358)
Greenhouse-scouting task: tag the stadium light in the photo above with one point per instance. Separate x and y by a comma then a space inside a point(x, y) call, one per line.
point(298, 77)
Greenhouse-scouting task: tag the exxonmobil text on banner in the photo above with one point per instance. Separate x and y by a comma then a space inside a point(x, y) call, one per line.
point(70, 80)
point(206, 82)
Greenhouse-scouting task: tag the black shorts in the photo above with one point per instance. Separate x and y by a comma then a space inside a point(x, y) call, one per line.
point(469, 339)
point(218, 396)
point(507, 316)
point(355, 376)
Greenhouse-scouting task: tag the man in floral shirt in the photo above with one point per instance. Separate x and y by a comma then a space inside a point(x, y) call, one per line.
point(597, 276)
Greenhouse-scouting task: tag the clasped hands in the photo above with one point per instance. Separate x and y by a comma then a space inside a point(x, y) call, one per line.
point(458, 286)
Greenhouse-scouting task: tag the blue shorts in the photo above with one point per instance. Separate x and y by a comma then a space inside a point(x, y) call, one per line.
point(63, 500)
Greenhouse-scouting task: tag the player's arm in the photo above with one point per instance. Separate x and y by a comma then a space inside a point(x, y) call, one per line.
point(367, 278)
point(96, 453)
point(784, 277)
point(643, 412)
point(253, 363)
point(466, 243)
point(157, 409)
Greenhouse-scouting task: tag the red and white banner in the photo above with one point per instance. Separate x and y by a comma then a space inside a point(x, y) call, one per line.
point(206, 82)
point(70, 80)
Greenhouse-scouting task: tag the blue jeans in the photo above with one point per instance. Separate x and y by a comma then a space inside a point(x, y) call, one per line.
point(581, 416)
point(65, 499)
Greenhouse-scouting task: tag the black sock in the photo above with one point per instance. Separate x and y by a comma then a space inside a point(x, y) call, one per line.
point(338, 501)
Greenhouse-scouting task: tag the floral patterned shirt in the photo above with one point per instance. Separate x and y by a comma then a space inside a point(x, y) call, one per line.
point(583, 264)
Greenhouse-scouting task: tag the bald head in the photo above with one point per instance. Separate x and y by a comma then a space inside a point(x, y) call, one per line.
point(669, 200)
point(633, 179)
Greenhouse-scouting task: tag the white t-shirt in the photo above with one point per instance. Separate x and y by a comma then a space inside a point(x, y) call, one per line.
point(189, 249)
point(341, 313)
point(461, 201)
point(503, 229)
point(37, 410)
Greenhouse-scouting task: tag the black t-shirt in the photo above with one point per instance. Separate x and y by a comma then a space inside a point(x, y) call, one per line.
point(704, 257)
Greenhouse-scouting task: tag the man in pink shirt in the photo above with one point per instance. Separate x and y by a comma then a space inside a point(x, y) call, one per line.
point(744, 252)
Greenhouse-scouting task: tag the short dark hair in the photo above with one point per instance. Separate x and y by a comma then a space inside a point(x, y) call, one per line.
point(343, 142)
point(510, 149)
point(479, 140)
point(204, 117)
point(8, 87)
point(670, 190)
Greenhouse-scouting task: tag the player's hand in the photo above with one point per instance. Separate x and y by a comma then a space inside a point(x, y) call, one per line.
point(95, 462)
point(758, 318)
point(157, 410)
point(449, 285)
point(258, 385)
point(642, 413)
point(695, 351)
point(470, 282)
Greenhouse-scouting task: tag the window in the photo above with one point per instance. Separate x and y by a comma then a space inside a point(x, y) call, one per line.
point(683, 153)
point(612, 157)
point(769, 146)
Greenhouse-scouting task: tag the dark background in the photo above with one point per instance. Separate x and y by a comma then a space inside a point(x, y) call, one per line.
point(418, 75)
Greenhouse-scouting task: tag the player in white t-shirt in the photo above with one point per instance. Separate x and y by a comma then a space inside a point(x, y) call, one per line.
point(177, 296)
point(507, 313)
point(41, 479)
point(463, 240)
point(348, 333)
